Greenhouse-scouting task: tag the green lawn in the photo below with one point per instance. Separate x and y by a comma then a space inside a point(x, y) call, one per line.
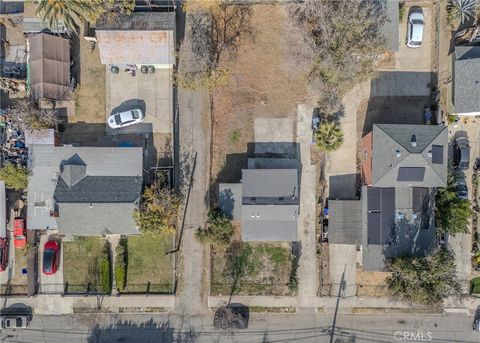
point(148, 268)
point(271, 265)
point(84, 261)
point(475, 286)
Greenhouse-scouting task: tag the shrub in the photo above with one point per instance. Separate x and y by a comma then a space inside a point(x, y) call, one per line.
point(293, 281)
point(121, 265)
point(105, 270)
point(475, 285)
point(15, 177)
point(219, 229)
point(402, 10)
point(329, 137)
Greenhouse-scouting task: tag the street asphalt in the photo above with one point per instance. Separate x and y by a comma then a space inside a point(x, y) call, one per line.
point(99, 328)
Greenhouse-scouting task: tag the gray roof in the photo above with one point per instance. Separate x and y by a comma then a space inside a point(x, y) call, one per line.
point(98, 219)
point(393, 150)
point(269, 223)
point(139, 21)
point(100, 189)
point(345, 222)
point(270, 183)
point(45, 165)
point(466, 97)
point(140, 38)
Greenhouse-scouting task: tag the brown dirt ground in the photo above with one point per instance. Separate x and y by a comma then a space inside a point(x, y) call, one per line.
point(265, 82)
point(371, 284)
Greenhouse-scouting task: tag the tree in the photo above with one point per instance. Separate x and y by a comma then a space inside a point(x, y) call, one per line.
point(158, 212)
point(219, 229)
point(109, 9)
point(424, 281)
point(239, 263)
point(453, 214)
point(217, 28)
point(342, 39)
point(329, 137)
point(461, 10)
point(70, 11)
point(15, 177)
point(26, 114)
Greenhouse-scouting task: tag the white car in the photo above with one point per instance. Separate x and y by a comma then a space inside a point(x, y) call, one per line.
point(127, 118)
point(15, 322)
point(415, 27)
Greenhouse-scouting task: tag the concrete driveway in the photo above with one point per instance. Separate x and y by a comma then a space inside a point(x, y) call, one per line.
point(416, 59)
point(343, 269)
point(153, 93)
point(50, 283)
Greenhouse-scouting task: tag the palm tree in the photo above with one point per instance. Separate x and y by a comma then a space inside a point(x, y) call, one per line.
point(462, 9)
point(68, 10)
point(329, 137)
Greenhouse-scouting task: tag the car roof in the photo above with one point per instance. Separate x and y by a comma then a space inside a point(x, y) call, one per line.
point(417, 32)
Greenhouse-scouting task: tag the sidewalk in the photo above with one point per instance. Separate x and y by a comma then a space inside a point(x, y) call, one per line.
point(57, 305)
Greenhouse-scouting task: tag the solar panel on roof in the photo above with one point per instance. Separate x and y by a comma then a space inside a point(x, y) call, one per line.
point(411, 174)
point(374, 228)
point(437, 154)
point(388, 213)
point(373, 199)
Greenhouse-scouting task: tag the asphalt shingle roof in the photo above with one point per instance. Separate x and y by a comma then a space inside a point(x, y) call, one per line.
point(467, 79)
point(345, 222)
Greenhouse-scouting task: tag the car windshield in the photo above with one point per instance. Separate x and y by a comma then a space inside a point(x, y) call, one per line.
point(18, 322)
point(415, 43)
point(118, 120)
point(48, 260)
point(417, 21)
point(135, 115)
point(19, 237)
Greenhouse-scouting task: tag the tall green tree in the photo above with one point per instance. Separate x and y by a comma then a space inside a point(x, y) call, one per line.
point(15, 177)
point(453, 214)
point(329, 137)
point(219, 230)
point(424, 281)
point(71, 11)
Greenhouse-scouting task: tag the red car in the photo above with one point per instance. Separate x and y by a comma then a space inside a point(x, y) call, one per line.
point(3, 254)
point(19, 233)
point(50, 257)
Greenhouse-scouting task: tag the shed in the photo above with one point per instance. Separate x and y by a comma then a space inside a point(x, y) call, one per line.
point(49, 66)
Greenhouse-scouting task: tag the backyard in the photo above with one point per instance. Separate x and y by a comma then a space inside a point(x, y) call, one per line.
point(86, 265)
point(149, 270)
point(269, 271)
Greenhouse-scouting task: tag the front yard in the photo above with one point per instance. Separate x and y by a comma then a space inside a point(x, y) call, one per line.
point(86, 265)
point(268, 273)
point(148, 269)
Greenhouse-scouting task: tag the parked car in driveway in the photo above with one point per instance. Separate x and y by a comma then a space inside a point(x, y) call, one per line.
point(3, 254)
point(462, 189)
point(15, 322)
point(461, 153)
point(50, 257)
point(126, 118)
point(415, 26)
point(19, 233)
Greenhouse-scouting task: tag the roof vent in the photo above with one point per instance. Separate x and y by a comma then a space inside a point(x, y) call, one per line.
point(413, 141)
point(398, 153)
point(429, 153)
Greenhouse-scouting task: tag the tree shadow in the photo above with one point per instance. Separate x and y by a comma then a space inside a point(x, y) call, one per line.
point(149, 331)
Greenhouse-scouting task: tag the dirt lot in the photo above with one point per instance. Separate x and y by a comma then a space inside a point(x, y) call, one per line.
point(371, 284)
point(265, 82)
point(271, 265)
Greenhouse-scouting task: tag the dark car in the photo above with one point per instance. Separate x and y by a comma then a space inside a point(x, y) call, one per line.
point(461, 153)
point(50, 257)
point(3, 254)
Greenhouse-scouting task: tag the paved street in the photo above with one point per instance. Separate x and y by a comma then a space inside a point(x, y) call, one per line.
point(262, 328)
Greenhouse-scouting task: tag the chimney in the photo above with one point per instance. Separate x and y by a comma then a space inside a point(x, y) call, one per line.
point(398, 153)
point(413, 141)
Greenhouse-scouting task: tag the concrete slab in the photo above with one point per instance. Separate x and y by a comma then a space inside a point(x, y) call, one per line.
point(343, 271)
point(273, 130)
point(50, 284)
point(153, 93)
point(416, 59)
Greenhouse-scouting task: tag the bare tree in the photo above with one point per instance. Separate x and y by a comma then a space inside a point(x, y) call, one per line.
point(25, 113)
point(11, 85)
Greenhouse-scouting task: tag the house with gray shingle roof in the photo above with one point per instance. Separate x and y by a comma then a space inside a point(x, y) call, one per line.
point(266, 201)
point(466, 80)
point(84, 190)
point(402, 165)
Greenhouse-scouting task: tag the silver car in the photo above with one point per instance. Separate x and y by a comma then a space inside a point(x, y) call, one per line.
point(15, 322)
point(127, 118)
point(415, 27)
